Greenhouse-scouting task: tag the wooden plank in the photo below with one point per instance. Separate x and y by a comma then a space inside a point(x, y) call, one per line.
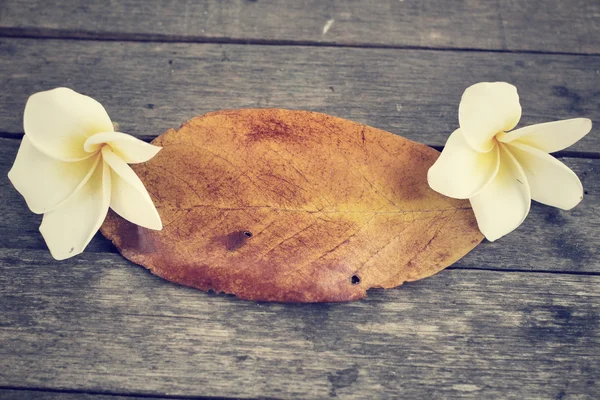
point(550, 239)
point(25, 394)
point(547, 25)
point(150, 87)
point(98, 322)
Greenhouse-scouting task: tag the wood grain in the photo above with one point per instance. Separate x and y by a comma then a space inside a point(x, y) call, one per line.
point(547, 25)
point(150, 87)
point(98, 322)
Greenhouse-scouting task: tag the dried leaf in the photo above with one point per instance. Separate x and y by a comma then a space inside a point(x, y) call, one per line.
point(293, 206)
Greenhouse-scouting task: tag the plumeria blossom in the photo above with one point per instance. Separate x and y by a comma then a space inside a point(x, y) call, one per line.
point(500, 171)
point(72, 167)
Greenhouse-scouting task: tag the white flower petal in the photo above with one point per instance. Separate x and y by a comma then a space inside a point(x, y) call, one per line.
point(460, 172)
point(486, 109)
point(130, 149)
point(130, 199)
point(69, 228)
point(45, 182)
point(59, 121)
point(502, 205)
point(550, 136)
point(551, 181)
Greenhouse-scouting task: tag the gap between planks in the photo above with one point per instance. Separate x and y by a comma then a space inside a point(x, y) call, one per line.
point(517, 270)
point(14, 392)
point(53, 34)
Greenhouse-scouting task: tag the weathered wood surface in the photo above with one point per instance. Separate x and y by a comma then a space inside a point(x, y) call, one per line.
point(549, 240)
point(549, 25)
point(150, 87)
point(96, 322)
point(518, 318)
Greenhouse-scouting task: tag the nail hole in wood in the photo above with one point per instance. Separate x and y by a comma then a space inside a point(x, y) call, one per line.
point(248, 234)
point(355, 280)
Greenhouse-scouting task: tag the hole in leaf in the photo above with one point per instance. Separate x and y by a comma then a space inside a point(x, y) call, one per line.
point(355, 280)
point(237, 239)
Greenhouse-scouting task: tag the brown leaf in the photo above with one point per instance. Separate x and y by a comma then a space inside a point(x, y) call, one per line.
point(293, 206)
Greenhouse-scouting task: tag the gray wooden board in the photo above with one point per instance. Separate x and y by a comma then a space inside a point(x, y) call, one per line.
point(98, 323)
point(550, 239)
point(548, 25)
point(150, 87)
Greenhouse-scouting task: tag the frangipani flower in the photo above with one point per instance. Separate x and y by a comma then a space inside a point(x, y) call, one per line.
point(500, 170)
point(72, 167)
